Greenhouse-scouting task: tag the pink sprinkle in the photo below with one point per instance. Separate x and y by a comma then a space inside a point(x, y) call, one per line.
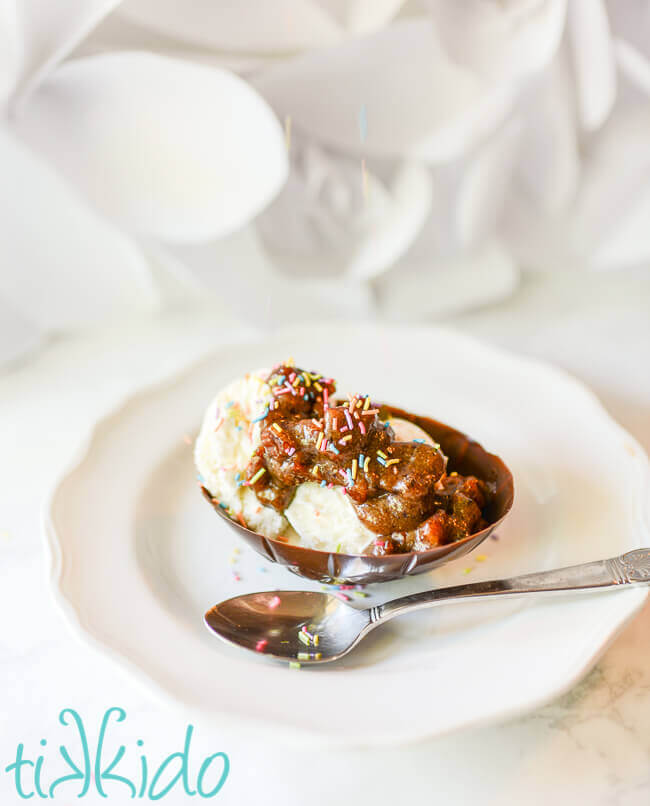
point(330, 485)
point(281, 391)
point(349, 419)
point(237, 578)
point(325, 397)
point(344, 429)
point(343, 596)
point(291, 451)
point(362, 428)
point(292, 377)
point(275, 602)
point(301, 391)
point(261, 644)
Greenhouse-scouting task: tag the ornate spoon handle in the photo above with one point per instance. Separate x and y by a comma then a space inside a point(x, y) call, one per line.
point(632, 568)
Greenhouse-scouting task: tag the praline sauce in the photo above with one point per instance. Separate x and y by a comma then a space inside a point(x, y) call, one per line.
point(400, 490)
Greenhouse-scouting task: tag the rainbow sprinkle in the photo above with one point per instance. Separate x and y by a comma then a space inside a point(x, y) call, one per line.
point(258, 475)
point(363, 123)
point(261, 416)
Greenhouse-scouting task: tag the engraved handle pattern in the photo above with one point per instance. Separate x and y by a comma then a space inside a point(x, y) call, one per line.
point(635, 565)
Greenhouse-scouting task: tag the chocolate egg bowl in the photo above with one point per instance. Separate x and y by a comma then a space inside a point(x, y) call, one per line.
point(464, 456)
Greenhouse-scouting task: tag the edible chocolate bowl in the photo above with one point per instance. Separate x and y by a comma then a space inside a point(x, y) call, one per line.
point(465, 456)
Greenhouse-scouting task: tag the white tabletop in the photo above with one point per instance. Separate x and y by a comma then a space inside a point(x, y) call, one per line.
point(591, 746)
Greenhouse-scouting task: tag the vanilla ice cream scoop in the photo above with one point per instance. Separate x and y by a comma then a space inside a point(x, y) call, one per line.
point(229, 435)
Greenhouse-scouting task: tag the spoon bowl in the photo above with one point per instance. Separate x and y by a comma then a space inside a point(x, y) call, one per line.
point(306, 626)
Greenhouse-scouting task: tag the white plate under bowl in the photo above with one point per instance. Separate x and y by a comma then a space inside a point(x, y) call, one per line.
point(137, 555)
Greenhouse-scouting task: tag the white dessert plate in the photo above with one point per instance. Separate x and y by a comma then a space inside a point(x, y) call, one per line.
point(137, 555)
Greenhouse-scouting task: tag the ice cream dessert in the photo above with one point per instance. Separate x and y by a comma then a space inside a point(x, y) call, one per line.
point(282, 454)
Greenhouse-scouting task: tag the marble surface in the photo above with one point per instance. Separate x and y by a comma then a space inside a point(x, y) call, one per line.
point(591, 746)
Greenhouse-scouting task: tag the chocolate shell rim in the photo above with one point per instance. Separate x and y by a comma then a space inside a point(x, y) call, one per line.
point(442, 430)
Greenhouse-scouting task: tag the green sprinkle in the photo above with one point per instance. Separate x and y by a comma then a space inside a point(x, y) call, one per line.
point(258, 475)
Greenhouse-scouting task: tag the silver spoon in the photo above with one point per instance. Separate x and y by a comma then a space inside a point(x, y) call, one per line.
point(310, 627)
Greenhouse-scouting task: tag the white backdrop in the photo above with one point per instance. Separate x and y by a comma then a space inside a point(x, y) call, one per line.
point(332, 157)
